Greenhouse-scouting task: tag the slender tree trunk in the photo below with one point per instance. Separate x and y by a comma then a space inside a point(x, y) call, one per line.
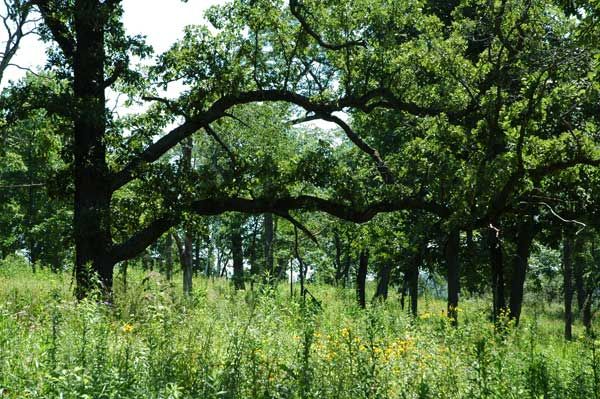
point(497, 273)
point(587, 313)
point(169, 256)
point(197, 260)
point(578, 273)
point(347, 261)
point(413, 283)
point(451, 253)
point(269, 237)
point(339, 271)
point(92, 179)
point(567, 281)
point(209, 258)
point(124, 267)
point(237, 254)
point(185, 258)
point(187, 262)
point(361, 277)
point(524, 239)
point(383, 282)
point(404, 288)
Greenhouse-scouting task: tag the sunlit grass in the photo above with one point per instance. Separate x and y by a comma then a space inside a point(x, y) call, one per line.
point(153, 343)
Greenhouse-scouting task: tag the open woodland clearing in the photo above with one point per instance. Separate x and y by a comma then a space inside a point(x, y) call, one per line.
point(421, 173)
point(155, 343)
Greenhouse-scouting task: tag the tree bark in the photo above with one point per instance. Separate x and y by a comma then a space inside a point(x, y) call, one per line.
point(185, 258)
point(524, 239)
point(587, 313)
point(497, 273)
point(169, 256)
point(451, 253)
point(92, 217)
point(578, 272)
point(269, 238)
point(567, 281)
point(383, 282)
point(339, 271)
point(361, 277)
point(413, 283)
point(237, 254)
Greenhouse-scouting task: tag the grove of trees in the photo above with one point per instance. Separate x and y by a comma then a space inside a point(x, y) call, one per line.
point(466, 139)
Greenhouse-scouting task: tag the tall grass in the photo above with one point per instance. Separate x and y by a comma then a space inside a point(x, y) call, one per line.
point(153, 343)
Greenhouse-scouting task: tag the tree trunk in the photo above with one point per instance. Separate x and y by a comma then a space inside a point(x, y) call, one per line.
point(187, 262)
point(197, 260)
point(361, 277)
point(567, 281)
point(237, 254)
point(346, 272)
point(169, 256)
point(403, 289)
point(209, 258)
point(497, 273)
point(413, 283)
point(269, 237)
point(383, 282)
point(578, 272)
point(339, 268)
point(451, 252)
point(91, 174)
point(185, 258)
point(524, 238)
point(587, 313)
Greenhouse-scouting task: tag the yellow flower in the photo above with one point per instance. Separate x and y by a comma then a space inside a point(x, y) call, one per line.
point(127, 328)
point(345, 332)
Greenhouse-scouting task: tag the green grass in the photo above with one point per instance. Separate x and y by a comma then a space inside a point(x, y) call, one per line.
point(152, 343)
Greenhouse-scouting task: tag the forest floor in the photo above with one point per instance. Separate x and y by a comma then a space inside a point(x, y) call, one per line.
point(153, 343)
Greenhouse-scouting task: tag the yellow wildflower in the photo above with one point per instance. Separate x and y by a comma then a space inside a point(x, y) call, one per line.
point(127, 328)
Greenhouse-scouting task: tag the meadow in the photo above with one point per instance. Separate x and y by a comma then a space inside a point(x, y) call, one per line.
point(151, 342)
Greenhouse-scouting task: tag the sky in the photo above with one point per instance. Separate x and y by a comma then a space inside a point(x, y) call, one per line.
point(162, 21)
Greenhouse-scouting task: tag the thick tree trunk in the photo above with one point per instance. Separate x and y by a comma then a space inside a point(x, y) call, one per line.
point(92, 182)
point(567, 281)
point(497, 273)
point(383, 282)
point(524, 238)
point(361, 277)
point(237, 255)
point(451, 253)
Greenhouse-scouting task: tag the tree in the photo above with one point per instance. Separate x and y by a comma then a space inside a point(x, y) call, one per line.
point(478, 106)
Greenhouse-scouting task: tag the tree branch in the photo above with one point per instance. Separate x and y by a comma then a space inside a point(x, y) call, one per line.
point(280, 206)
point(384, 170)
point(295, 10)
point(60, 31)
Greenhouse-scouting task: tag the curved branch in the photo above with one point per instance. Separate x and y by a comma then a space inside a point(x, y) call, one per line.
point(280, 206)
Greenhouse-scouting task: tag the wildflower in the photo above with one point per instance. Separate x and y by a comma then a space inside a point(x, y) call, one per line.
point(127, 328)
point(345, 332)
